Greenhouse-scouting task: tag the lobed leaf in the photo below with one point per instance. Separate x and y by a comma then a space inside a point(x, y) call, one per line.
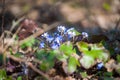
point(91, 52)
point(72, 64)
point(67, 48)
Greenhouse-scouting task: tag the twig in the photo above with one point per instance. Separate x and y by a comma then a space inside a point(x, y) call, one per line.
point(16, 23)
point(13, 26)
point(6, 47)
point(5, 32)
point(30, 65)
point(117, 24)
point(37, 61)
point(16, 58)
point(38, 71)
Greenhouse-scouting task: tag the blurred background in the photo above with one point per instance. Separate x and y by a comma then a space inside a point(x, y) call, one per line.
point(92, 16)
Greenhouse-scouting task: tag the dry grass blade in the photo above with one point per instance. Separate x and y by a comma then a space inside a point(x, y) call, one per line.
point(39, 33)
point(13, 26)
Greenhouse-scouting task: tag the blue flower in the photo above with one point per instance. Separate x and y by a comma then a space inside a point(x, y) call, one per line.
point(42, 45)
point(49, 39)
point(85, 35)
point(71, 33)
point(59, 39)
point(45, 35)
point(25, 69)
point(56, 34)
point(55, 45)
point(61, 29)
point(100, 65)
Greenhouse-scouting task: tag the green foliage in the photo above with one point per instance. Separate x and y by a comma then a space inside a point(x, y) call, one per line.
point(72, 64)
point(67, 48)
point(106, 6)
point(19, 78)
point(91, 53)
point(28, 43)
point(76, 32)
point(96, 51)
point(108, 74)
point(18, 54)
point(26, 8)
point(65, 53)
point(87, 61)
point(83, 74)
point(16, 37)
point(62, 57)
point(1, 59)
point(46, 58)
point(107, 78)
point(118, 58)
point(11, 52)
point(3, 75)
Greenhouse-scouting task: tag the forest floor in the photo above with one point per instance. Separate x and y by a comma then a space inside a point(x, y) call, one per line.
point(60, 40)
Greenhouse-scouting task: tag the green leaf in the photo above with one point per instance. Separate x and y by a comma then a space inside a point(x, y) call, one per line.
point(51, 55)
point(28, 43)
point(96, 51)
point(40, 54)
point(19, 78)
point(91, 52)
point(47, 59)
point(2, 74)
point(107, 78)
point(87, 61)
point(67, 48)
point(83, 74)
point(72, 64)
point(43, 54)
point(26, 8)
point(108, 74)
point(46, 65)
point(11, 52)
point(106, 6)
point(75, 31)
point(16, 37)
point(118, 58)
point(9, 78)
point(62, 57)
point(1, 59)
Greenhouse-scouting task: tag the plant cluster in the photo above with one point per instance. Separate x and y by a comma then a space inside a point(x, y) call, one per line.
point(65, 46)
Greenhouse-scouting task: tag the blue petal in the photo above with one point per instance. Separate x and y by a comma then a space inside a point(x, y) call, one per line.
point(99, 65)
point(59, 39)
point(85, 35)
point(45, 34)
point(42, 45)
point(61, 29)
point(49, 39)
point(55, 45)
